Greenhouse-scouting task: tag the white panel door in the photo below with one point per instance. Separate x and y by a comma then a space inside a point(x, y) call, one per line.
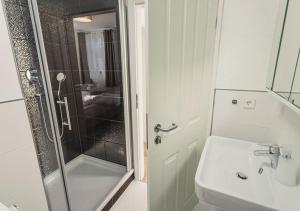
point(180, 40)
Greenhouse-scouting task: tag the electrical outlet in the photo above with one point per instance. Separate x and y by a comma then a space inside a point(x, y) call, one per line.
point(234, 102)
point(249, 103)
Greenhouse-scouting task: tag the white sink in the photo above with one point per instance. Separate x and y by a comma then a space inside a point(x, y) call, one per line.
point(217, 182)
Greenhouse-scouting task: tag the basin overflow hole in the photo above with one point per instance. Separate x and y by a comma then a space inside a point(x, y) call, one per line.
point(241, 175)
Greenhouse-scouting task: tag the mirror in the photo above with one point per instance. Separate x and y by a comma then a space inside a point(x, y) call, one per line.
point(284, 77)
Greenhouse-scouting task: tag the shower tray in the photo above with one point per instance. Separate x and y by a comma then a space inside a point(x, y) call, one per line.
point(90, 181)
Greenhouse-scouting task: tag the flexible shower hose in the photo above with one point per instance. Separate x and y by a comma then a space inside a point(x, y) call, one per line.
point(43, 114)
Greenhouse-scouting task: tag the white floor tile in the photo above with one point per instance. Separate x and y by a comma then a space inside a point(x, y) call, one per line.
point(133, 199)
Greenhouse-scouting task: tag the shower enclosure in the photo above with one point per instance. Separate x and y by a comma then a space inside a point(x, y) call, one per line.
point(81, 86)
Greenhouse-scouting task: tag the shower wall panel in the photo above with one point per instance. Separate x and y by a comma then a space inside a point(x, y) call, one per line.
point(25, 52)
point(75, 7)
point(98, 131)
point(61, 53)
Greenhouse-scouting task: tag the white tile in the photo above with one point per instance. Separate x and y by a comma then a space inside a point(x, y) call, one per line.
point(133, 199)
point(20, 180)
point(9, 83)
point(14, 126)
point(235, 121)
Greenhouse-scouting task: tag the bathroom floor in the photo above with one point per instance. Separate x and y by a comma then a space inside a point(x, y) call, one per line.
point(86, 176)
point(134, 198)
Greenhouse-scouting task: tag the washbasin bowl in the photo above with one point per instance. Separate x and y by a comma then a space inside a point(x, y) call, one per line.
point(227, 177)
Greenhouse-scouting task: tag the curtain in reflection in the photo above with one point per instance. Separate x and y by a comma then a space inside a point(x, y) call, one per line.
point(113, 77)
point(84, 67)
point(96, 57)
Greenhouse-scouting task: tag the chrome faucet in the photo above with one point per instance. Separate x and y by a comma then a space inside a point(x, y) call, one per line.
point(273, 152)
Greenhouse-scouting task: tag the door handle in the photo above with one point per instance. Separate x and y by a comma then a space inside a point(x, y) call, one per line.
point(158, 128)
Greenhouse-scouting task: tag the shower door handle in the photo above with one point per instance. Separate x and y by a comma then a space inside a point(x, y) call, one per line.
point(68, 114)
point(68, 123)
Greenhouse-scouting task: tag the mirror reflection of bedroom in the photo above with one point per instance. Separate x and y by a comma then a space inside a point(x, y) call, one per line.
point(98, 54)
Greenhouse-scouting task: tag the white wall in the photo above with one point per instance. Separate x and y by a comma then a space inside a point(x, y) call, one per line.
point(20, 179)
point(9, 79)
point(247, 29)
point(245, 49)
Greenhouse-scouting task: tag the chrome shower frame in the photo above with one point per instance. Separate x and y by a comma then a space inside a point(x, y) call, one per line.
point(34, 13)
point(37, 28)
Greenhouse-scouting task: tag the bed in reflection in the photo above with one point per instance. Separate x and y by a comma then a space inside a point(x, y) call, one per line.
point(102, 103)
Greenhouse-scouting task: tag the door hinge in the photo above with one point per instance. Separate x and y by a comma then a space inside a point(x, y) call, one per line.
point(136, 101)
point(216, 23)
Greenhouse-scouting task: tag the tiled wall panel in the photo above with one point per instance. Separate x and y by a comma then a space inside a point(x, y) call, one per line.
point(98, 128)
point(86, 134)
point(26, 57)
point(20, 172)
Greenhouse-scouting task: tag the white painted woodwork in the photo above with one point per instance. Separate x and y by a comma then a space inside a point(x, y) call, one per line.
point(9, 83)
point(141, 83)
point(138, 82)
point(181, 37)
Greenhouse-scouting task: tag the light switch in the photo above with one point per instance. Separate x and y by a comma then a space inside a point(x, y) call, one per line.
point(249, 103)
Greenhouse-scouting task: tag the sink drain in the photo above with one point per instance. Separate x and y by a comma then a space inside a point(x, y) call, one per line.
point(241, 175)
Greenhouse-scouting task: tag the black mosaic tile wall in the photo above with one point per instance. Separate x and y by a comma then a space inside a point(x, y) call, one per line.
point(25, 53)
point(98, 130)
point(60, 56)
point(73, 7)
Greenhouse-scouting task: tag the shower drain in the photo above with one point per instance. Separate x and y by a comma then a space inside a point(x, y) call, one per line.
point(241, 175)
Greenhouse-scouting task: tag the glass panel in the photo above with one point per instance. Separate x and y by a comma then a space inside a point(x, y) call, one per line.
point(25, 52)
point(100, 87)
point(295, 94)
point(292, 36)
point(288, 55)
point(82, 45)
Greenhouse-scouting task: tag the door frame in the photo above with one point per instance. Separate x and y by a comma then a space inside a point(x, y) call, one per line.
point(126, 81)
point(138, 145)
point(216, 48)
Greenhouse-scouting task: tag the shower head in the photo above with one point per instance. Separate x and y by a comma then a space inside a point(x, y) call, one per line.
point(60, 77)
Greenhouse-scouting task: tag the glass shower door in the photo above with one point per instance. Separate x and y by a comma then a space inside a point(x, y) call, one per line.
point(83, 65)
